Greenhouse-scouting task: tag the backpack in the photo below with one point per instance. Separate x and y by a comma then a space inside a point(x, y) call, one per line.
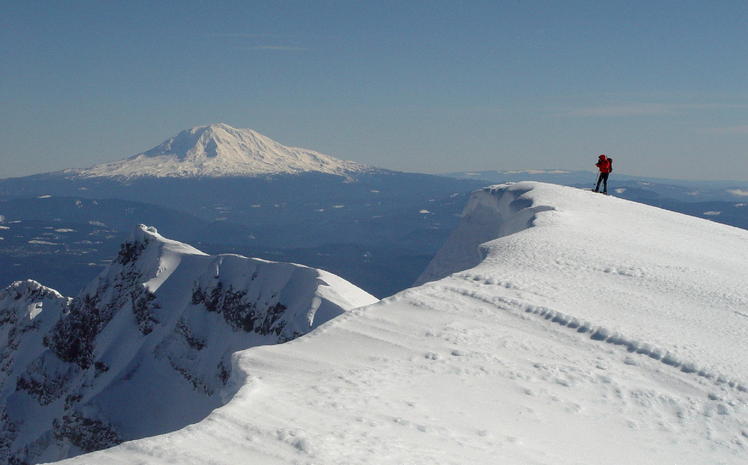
point(610, 165)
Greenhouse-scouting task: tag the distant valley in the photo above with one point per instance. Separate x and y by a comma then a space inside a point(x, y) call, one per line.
point(376, 227)
point(227, 189)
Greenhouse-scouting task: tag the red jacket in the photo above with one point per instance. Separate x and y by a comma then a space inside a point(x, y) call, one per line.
point(603, 164)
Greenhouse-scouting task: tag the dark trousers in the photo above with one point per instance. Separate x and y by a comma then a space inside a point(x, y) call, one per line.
point(604, 179)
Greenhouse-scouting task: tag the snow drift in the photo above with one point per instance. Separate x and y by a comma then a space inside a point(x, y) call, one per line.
point(146, 348)
point(625, 264)
point(592, 330)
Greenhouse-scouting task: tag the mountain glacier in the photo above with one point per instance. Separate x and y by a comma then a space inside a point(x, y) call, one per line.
point(147, 346)
point(580, 329)
point(219, 150)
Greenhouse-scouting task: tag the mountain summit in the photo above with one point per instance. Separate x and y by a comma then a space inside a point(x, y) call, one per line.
point(220, 150)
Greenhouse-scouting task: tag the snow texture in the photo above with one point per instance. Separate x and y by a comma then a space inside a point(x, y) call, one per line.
point(147, 346)
point(577, 329)
point(220, 150)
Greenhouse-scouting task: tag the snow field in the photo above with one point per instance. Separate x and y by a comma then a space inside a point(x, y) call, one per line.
point(569, 328)
point(425, 381)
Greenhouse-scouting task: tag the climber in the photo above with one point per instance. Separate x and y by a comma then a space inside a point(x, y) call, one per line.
point(605, 165)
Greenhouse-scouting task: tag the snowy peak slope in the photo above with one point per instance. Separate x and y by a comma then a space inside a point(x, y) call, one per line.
point(147, 346)
point(219, 150)
point(632, 271)
point(594, 330)
point(490, 213)
point(28, 311)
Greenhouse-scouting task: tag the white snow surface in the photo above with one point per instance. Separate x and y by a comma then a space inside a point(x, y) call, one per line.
point(219, 150)
point(577, 329)
point(147, 346)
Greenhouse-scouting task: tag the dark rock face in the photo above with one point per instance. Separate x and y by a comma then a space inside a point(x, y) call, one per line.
point(27, 290)
point(86, 433)
point(130, 251)
point(45, 380)
point(192, 341)
point(76, 361)
point(7, 436)
point(18, 325)
point(239, 311)
point(72, 339)
point(144, 306)
point(27, 310)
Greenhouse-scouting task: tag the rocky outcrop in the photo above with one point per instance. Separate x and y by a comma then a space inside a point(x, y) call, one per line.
point(154, 332)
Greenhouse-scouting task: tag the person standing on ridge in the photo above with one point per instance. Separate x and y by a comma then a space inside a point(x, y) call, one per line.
point(605, 165)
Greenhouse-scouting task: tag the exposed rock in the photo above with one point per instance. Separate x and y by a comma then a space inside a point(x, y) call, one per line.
point(162, 312)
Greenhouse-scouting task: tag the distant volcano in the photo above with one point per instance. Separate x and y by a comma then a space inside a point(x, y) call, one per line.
point(220, 150)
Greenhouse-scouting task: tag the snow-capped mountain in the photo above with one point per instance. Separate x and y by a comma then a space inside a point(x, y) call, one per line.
point(580, 329)
point(266, 199)
point(147, 346)
point(219, 150)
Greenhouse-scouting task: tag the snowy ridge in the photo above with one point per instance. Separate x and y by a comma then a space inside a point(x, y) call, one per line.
point(500, 211)
point(600, 240)
point(602, 334)
point(147, 346)
point(504, 362)
point(487, 216)
point(220, 150)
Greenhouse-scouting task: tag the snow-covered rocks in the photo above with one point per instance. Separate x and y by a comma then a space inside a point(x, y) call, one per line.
point(147, 346)
point(594, 330)
point(28, 311)
point(219, 150)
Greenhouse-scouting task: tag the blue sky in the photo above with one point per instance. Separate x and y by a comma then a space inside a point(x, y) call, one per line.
point(430, 86)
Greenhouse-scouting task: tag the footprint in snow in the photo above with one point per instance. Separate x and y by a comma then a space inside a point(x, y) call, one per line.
point(431, 356)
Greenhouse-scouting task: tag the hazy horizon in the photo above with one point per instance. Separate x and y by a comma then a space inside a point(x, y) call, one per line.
point(431, 87)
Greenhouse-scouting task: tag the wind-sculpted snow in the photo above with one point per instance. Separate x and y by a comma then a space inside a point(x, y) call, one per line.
point(593, 330)
point(147, 346)
point(486, 217)
point(600, 333)
point(660, 278)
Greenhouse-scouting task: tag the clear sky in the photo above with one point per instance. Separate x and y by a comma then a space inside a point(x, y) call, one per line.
point(429, 86)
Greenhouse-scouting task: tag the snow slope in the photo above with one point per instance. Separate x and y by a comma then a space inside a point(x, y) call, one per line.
point(592, 330)
point(220, 150)
point(146, 348)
